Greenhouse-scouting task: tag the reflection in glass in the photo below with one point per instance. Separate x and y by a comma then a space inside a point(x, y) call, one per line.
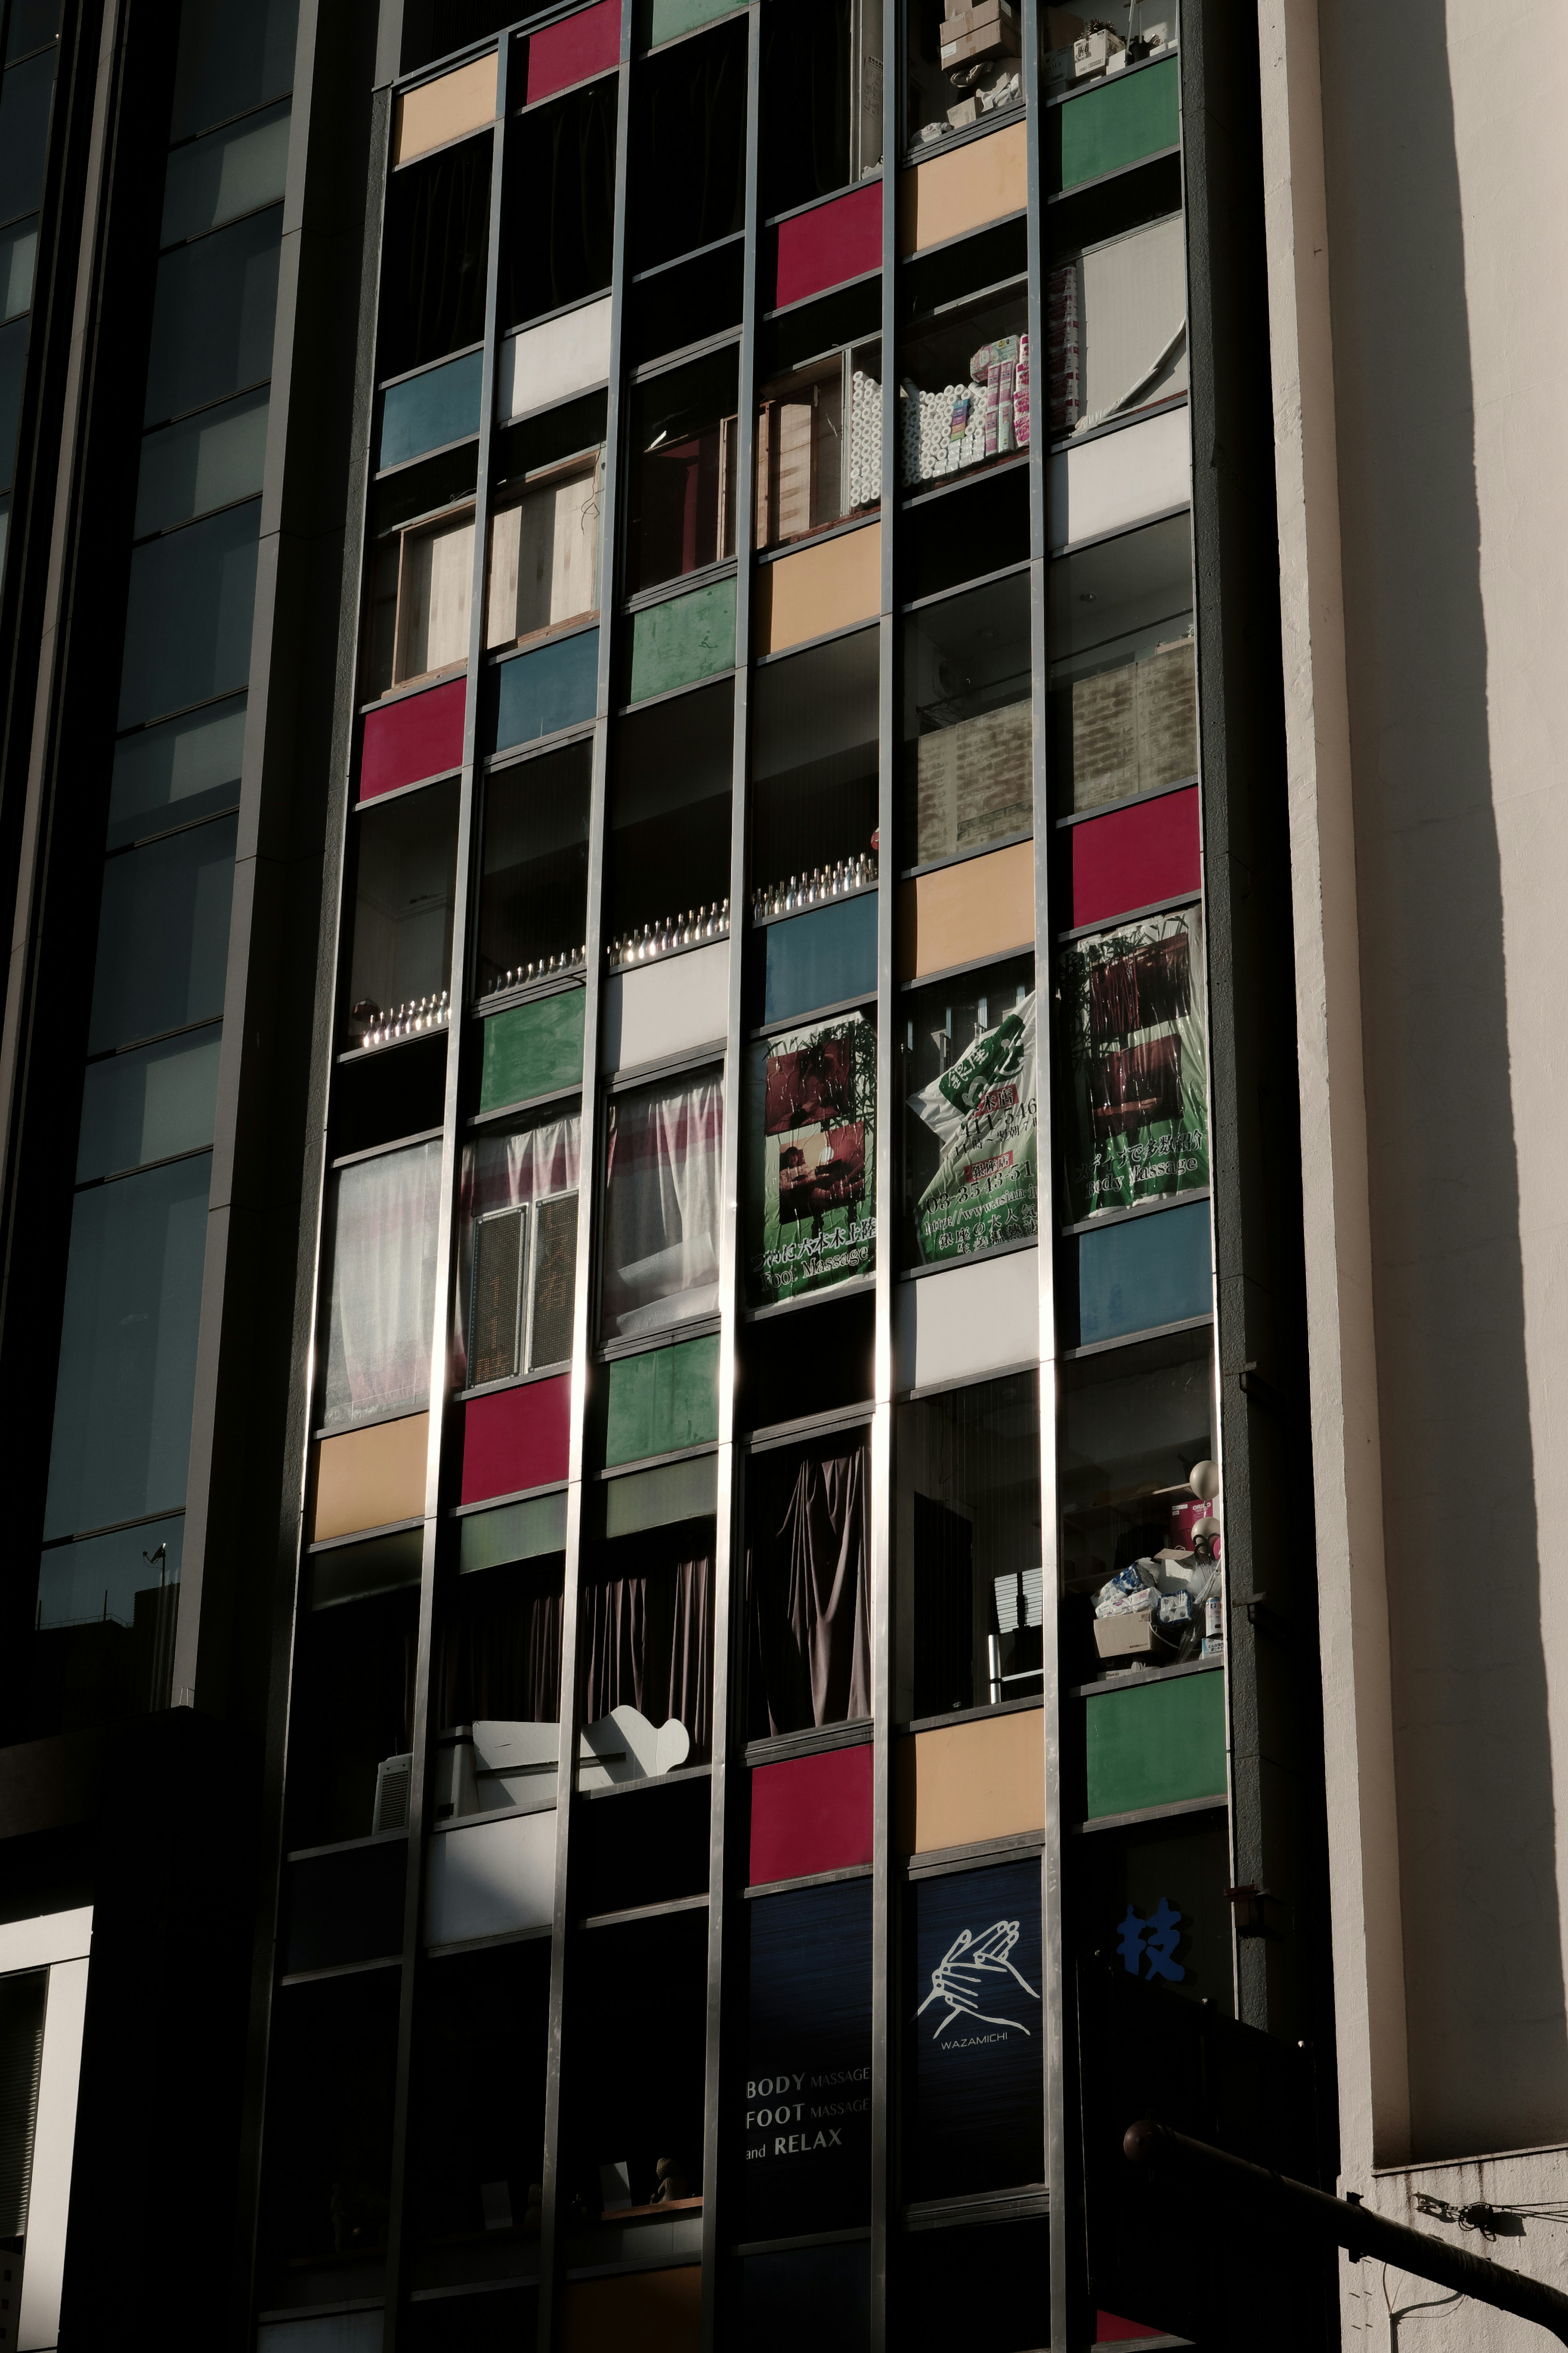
point(102, 1645)
point(967, 1543)
point(533, 876)
point(1122, 681)
point(18, 259)
point(209, 461)
point(213, 316)
point(192, 600)
point(516, 1251)
point(186, 768)
point(149, 1105)
point(382, 1234)
point(968, 771)
point(163, 935)
point(964, 388)
point(814, 769)
point(233, 170)
point(403, 910)
point(661, 1211)
point(968, 1070)
point(231, 59)
point(681, 495)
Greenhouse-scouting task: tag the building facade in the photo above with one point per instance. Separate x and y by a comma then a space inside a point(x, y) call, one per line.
point(725, 1442)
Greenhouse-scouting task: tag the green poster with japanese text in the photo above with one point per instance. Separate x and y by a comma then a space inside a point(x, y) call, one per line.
point(1133, 1015)
point(983, 1113)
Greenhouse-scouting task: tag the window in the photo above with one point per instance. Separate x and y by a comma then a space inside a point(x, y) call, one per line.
point(167, 776)
point(560, 200)
point(163, 935)
point(819, 445)
point(149, 1104)
point(1137, 1123)
point(688, 146)
point(669, 863)
point(1075, 57)
point(533, 873)
point(18, 259)
point(231, 59)
point(822, 97)
point(964, 388)
point(545, 555)
point(26, 92)
point(421, 593)
point(211, 460)
point(352, 1705)
point(633, 2066)
point(381, 1298)
point(971, 1120)
point(1116, 315)
point(662, 1213)
point(193, 600)
point(436, 241)
point(968, 736)
point(498, 1663)
point(329, 2123)
point(967, 1544)
point(517, 1209)
point(814, 772)
point(808, 1586)
point(960, 74)
point(402, 941)
point(478, 2142)
point(973, 2105)
point(103, 1642)
point(1123, 684)
point(681, 496)
point(646, 1642)
point(234, 171)
point(213, 317)
point(13, 370)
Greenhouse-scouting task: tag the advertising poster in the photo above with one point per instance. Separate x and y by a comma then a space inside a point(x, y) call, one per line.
point(1132, 1007)
point(802, 2105)
point(982, 1114)
point(974, 2037)
point(811, 1115)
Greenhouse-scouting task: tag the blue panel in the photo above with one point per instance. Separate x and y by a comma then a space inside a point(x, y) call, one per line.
point(973, 2086)
point(552, 687)
point(822, 957)
point(804, 2121)
point(1142, 1273)
point(429, 410)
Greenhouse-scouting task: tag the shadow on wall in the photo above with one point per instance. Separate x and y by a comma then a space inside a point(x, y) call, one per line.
point(1487, 2048)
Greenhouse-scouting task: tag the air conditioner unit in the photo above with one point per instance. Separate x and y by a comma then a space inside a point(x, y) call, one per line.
point(394, 1785)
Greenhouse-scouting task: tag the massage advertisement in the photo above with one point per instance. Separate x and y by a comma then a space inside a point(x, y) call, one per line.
point(811, 1116)
point(1132, 1007)
point(982, 1112)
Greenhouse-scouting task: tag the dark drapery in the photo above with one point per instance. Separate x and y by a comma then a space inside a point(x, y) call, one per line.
point(646, 1630)
point(805, 101)
point(497, 1648)
point(809, 1594)
point(559, 203)
point(691, 108)
point(437, 234)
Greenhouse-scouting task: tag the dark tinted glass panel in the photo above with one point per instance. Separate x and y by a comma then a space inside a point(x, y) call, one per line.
point(192, 598)
point(669, 810)
point(212, 317)
point(799, 2127)
point(24, 94)
point(102, 1645)
point(18, 262)
point(973, 2032)
point(236, 170)
point(967, 1074)
point(436, 238)
point(329, 2124)
point(33, 22)
point(681, 498)
point(807, 100)
point(559, 203)
point(12, 369)
point(163, 941)
point(150, 1104)
point(128, 1348)
point(533, 888)
point(350, 1709)
point(688, 146)
point(478, 2126)
point(497, 2319)
point(815, 2295)
point(210, 460)
point(944, 2278)
point(968, 742)
point(814, 767)
point(634, 2058)
point(169, 775)
point(403, 907)
point(233, 54)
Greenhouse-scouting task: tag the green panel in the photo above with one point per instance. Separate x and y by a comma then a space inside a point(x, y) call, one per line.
point(656, 1499)
point(662, 1400)
point(1116, 124)
point(517, 1532)
point(533, 1049)
point(1155, 1743)
point(661, 20)
point(688, 639)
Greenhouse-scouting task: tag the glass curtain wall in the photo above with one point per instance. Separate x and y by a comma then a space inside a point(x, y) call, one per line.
point(29, 46)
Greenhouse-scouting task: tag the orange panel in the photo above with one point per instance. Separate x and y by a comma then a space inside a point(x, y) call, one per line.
point(986, 1779)
point(981, 907)
point(654, 2312)
point(953, 194)
point(819, 589)
point(438, 110)
point(367, 1477)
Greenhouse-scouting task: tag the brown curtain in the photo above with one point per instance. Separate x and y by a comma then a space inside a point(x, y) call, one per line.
point(646, 1630)
point(809, 1595)
point(498, 1650)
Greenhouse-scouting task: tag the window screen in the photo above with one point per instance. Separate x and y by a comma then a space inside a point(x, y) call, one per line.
point(555, 1281)
point(496, 1318)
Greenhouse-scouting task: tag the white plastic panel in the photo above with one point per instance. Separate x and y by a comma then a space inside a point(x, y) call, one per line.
point(966, 1320)
point(566, 356)
point(489, 1878)
point(1121, 478)
point(329, 2332)
point(665, 1009)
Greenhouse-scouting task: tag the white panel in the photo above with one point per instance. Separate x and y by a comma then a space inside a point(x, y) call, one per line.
point(489, 1878)
point(1120, 479)
point(665, 1009)
point(48, 2203)
point(51, 1937)
point(331, 2332)
point(971, 1319)
point(1134, 305)
point(553, 362)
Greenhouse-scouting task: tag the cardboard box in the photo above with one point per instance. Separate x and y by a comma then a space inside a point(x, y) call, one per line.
point(998, 40)
point(1128, 1636)
point(960, 21)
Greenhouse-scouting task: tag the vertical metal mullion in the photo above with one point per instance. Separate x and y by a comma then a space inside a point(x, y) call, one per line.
point(728, 1550)
point(549, 2318)
point(882, 1938)
point(446, 1247)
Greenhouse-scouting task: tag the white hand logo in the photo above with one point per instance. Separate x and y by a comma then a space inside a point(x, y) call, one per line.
point(958, 1979)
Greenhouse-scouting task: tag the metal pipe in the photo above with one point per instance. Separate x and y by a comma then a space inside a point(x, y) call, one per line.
point(1359, 2229)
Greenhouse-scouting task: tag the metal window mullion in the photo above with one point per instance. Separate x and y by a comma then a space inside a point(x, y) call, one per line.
point(445, 1254)
point(728, 1615)
point(551, 2267)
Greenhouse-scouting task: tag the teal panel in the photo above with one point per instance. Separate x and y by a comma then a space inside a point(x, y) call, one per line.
point(662, 1400)
point(662, 20)
point(1142, 1273)
point(1116, 123)
point(656, 1499)
point(822, 957)
point(631, 1408)
point(692, 1387)
point(517, 1532)
point(533, 1049)
point(427, 411)
point(553, 687)
point(1155, 1743)
point(677, 643)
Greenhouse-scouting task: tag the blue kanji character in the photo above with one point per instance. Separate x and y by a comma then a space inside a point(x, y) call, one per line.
point(1163, 1927)
point(1131, 1947)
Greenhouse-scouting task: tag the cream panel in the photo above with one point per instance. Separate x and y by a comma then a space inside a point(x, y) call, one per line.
point(821, 588)
point(982, 181)
point(367, 1478)
point(967, 1320)
point(1120, 479)
point(566, 356)
point(984, 1779)
point(666, 1009)
point(438, 110)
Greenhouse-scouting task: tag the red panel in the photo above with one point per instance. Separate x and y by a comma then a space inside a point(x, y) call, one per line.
point(1109, 2330)
point(828, 244)
point(420, 736)
point(1134, 855)
point(516, 1439)
point(588, 43)
point(811, 1814)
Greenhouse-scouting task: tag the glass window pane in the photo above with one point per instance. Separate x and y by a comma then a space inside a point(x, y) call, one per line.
point(815, 2295)
point(234, 171)
point(128, 1348)
point(671, 772)
point(24, 94)
point(959, 400)
point(555, 1282)
point(971, 1123)
point(13, 370)
point(382, 1298)
point(18, 259)
point(661, 1216)
point(435, 244)
point(534, 885)
point(103, 1641)
point(212, 317)
point(148, 1105)
point(33, 22)
point(233, 54)
point(800, 2122)
point(681, 496)
point(809, 1582)
point(480, 2100)
point(192, 600)
point(402, 951)
point(183, 769)
point(209, 461)
point(5, 533)
point(1123, 683)
point(1117, 320)
point(688, 146)
point(163, 935)
point(806, 103)
point(947, 94)
point(559, 203)
point(544, 551)
point(973, 2032)
point(968, 740)
point(1133, 1011)
point(646, 1637)
point(504, 1174)
point(814, 770)
point(498, 1295)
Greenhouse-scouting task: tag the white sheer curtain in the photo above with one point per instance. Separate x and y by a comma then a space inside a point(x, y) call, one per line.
point(384, 1286)
point(500, 1172)
point(661, 1219)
